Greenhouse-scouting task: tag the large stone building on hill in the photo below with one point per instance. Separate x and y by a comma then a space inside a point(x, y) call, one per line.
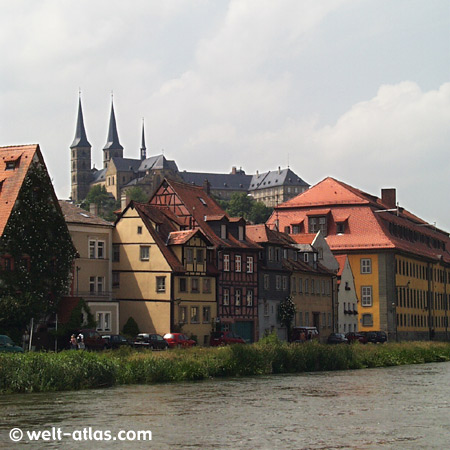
point(119, 174)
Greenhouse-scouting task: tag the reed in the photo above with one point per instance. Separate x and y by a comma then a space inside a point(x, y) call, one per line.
point(73, 370)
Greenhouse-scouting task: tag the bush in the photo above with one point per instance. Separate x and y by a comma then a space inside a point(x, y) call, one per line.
point(131, 328)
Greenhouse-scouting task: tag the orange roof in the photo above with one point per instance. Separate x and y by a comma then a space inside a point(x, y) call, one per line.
point(11, 180)
point(306, 238)
point(261, 233)
point(341, 261)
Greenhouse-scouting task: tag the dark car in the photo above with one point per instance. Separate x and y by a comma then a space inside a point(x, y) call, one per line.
point(375, 337)
point(224, 338)
point(7, 345)
point(356, 337)
point(115, 341)
point(91, 339)
point(179, 340)
point(152, 341)
point(337, 338)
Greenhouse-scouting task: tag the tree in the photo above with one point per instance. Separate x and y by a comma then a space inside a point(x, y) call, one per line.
point(286, 314)
point(243, 205)
point(105, 202)
point(137, 194)
point(131, 327)
point(40, 254)
point(259, 213)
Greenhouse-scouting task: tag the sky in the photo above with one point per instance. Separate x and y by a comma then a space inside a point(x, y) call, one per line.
point(358, 90)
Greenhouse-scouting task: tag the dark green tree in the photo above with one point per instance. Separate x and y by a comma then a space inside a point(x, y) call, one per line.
point(130, 328)
point(137, 194)
point(39, 254)
point(259, 213)
point(244, 205)
point(105, 202)
point(286, 314)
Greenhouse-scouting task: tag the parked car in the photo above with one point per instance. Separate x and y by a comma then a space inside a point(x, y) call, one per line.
point(92, 339)
point(224, 338)
point(302, 334)
point(179, 340)
point(150, 340)
point(375, 337)
point(7, 345)
point(115, 341)
point(356, 337)
point(337, 338)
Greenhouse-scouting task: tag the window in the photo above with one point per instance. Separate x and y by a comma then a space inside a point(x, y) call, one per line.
point(320, 253)
point(285, 283)
point(139, 230)
point(300, 285)
point(116, 279)
point(194, 285)
point(144, 252)
point(189, 255)
point(295, 229)
point(366, 295)
point(237, 261)
point(237, 297)
point(266, 281)
point(116, 253)
point(206, 285)
point(312, 286)
point(307, 286)
point(305, 257)
point(91, 284)
point(266, 309)
point(340, 228)
point(249, 298)
point(223, 231)
point(241, 232)
point(183, 314)
point(96, 249)
point(160, 284)
point(293, 285)
point(200, 257)
point(206, 314)
point(366, 265)
point(103, 321)
point(270, 250)
point(278, 282)
point(317, 223)
point(226, 297)
point(277, 254)
point(226, 263)
point(10, 165)
point(194, 314)
point(249, 264)
point(182, 285)
point(367, 320)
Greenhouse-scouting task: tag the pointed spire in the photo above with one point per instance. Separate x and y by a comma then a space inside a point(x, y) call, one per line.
point(143, 148)
point(80, 139)
point(113, 138)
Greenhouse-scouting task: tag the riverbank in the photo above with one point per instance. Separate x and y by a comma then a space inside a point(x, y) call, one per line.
point(74, 370)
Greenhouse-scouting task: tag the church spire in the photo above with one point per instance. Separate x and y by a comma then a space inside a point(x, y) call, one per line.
point(80, 139)
point(143, 148)
point(113, 138)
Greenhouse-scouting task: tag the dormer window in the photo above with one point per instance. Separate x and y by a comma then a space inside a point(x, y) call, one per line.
point(202, 202)
point(316, 224)
point(10, 165)
point(223, 231)
point(340, 228)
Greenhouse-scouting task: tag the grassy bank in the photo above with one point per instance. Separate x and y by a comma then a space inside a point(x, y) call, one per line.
point(72, 370)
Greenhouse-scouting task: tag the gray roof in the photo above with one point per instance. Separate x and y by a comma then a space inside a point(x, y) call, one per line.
point(74, 214)
point(229, 181)
point(157, 162)
point(98, 175)
point(126, 164)
point(270, 179)
point(80, 139)
point(113, 138)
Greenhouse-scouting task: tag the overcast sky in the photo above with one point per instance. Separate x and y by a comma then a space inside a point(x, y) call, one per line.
point(354, 89)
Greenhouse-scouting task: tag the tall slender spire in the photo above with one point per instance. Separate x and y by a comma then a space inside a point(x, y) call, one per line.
point(80, 139)
point(113, 138)
point(143, 148)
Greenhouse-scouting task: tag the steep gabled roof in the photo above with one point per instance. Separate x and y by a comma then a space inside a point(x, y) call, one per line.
point(14, 164)
point(157, 162)
point(126, 164)
point(223, 181)
point(262, 234)
point(80, 139)
point(112, 142)
point(285, 177)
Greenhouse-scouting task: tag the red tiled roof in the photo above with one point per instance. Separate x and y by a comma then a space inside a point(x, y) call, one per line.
point(12, 180)
point(341, 261)
point(305, 238)
point(261, 233)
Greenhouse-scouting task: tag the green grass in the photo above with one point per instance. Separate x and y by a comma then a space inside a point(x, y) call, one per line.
point(73, 370)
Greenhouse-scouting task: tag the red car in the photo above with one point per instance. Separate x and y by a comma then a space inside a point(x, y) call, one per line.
point(356, 337)
point(179, 340)
point(224, 338)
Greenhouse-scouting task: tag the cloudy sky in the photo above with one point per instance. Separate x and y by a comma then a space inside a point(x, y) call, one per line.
point(354, 89)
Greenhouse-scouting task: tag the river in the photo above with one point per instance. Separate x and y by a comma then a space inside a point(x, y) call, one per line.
point(405, 407)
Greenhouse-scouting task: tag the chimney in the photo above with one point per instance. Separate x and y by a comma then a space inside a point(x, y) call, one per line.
point(124, 200)
point(207, 186)
point(93, 209)
point(257, 173)
point(279, 170)
point(388, 197)
point(233, 171)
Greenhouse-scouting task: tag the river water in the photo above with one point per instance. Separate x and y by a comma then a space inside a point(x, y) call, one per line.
point(404, 407)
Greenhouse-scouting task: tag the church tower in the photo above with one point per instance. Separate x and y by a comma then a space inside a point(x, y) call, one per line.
point(112, 149)
point(80, 160)
point(143, 148)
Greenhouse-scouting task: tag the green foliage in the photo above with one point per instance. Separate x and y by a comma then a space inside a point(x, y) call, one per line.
point(80, 317)
point(105, 202)
point(286, 313)
point(137, 194)
point(243, 205)
point(40, 372)
point(130, 328)
point(37, 239)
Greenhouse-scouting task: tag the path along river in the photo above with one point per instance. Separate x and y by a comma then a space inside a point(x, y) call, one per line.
point(404, 407)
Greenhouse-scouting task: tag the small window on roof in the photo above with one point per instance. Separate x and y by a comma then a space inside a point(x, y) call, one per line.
point(10, 165)
point(203, 202)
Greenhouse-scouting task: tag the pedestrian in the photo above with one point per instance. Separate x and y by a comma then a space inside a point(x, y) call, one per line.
point(73, 342)
point(80, 339)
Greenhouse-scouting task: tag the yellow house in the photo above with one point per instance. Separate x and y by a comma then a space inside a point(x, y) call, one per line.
point(160, 273)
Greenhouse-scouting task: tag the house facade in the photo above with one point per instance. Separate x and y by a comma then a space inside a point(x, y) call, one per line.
point(91, 280)
point(400, 263)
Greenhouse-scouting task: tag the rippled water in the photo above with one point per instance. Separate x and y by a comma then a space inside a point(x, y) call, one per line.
point(394, 408)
